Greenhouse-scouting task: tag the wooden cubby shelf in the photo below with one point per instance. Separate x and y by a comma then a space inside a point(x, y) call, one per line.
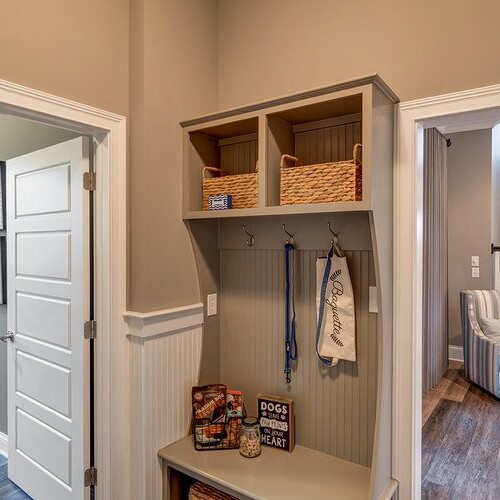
point(316, 126)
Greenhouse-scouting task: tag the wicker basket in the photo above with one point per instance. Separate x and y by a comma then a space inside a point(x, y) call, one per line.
point(244, 188)
point(202, 491)
point(323, 182)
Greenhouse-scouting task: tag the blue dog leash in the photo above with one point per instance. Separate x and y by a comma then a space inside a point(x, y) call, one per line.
point(291, 353)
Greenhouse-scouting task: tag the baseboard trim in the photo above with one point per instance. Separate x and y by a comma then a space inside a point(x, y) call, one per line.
point(456, 353)
point(3, 444)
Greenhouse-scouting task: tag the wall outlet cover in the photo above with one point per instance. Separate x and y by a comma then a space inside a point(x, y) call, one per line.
point(475, 272)
point(212, 304)
point(474, 261)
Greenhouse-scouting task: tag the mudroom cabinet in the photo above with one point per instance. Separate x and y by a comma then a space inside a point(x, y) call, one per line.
point(343, 414)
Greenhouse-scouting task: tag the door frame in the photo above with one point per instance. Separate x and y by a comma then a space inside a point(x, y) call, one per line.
point(471, 107)
point(109, 130)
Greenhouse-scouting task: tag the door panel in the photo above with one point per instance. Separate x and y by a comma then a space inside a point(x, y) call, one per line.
point(47, 303)
point(37, 378)
point(55, 247)
point(44, 318)
point(44, 191)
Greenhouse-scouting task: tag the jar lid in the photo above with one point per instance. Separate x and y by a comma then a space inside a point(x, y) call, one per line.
point(250, 421)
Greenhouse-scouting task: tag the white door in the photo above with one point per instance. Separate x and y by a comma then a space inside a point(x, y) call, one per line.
point(47, 304)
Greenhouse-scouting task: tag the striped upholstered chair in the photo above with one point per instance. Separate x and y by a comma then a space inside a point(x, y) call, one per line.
point(481, 353)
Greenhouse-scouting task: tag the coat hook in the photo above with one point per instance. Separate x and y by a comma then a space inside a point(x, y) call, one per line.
point(290, 236)
point(335, 238)
point(251, 237)
point(335, 241)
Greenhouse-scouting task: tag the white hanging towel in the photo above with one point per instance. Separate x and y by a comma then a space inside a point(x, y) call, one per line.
point(336, 331)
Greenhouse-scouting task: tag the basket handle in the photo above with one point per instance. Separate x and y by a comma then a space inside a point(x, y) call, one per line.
point(214, 170)
point(286, 161)
point(357, 153)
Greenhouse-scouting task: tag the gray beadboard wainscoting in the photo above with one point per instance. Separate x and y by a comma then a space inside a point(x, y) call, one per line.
point(335, 407)
point(243, 346)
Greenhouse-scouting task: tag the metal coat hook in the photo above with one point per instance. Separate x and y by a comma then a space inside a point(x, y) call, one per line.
point(290, 236)
point(251, 237)
point(335, 238)
point(335, 241)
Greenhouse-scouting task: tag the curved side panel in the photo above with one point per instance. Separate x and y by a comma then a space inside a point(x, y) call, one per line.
point(205, 240)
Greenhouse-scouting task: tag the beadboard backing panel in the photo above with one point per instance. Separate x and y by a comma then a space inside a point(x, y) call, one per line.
point(164, 369)
point(335, 407)
point(239, 158)
point(327, 144)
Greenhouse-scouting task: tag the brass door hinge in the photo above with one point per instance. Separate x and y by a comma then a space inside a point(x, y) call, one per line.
point(90, 477)
point(89, 181)
point(90, 329)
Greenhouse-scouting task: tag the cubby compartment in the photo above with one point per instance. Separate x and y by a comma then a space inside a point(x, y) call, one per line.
point(230, 149)
point(318, 133)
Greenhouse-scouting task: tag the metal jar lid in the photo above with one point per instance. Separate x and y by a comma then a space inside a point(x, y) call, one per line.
point(250, 422)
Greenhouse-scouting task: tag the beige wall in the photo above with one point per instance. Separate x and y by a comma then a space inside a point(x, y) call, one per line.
point(173, 77)
point(273, 47)
point(77, 50)
point(469, 219)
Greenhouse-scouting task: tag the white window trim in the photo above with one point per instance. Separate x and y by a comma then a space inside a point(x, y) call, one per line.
point(479, 105)
point(112, 452)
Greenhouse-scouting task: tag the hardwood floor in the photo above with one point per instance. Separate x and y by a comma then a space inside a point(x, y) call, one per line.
point(8, 490)
point(460, 441)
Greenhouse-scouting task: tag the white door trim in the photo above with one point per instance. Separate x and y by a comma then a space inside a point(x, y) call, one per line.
point(112, 429)
point(468, 107)
point(4, 444)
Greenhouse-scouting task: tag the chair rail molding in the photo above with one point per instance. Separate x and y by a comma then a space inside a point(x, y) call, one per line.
point(165, 321)
point(463, 111)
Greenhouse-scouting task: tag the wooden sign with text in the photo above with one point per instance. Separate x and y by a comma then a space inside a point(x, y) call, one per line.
point(277, 422)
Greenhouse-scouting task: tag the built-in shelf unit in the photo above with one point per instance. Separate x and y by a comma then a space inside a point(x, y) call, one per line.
point(344, 411)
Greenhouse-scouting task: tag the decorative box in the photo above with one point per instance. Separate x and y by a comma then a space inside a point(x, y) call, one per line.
point(220, 202)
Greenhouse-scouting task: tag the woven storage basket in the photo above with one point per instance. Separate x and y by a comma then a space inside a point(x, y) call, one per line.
point(244, 188)
point(202, 491)
point(323, 182)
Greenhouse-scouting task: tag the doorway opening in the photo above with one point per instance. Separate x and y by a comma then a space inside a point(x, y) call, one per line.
point(46, 299)
point(460, 413)
point(465, 111)
point(109, 134)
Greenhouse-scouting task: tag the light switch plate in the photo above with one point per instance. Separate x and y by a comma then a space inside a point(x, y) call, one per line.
point(475, 272)
point(212, 304)
point(474, 261)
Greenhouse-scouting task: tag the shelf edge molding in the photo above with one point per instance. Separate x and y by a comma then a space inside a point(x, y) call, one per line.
point(164, 322)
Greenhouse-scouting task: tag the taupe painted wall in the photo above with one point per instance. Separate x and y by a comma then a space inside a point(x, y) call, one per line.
point(274, 47)
point(469, 219)
point(173, 76)
point(77, 50)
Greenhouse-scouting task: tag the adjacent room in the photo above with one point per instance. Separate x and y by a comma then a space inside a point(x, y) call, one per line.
point(461, 408)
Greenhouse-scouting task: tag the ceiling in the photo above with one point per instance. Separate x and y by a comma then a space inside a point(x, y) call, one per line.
point(19, 136)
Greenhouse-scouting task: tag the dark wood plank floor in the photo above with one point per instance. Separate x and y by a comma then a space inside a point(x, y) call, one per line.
point(460, 441)
point(8, 490)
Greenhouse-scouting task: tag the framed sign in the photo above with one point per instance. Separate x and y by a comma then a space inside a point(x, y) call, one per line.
point(277, 422)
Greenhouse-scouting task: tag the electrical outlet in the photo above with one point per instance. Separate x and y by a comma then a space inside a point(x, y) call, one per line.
point(474, 261)
point(212, 304)
point(475, 272)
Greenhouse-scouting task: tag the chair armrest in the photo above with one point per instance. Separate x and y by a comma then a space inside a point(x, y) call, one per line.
point(481, 355)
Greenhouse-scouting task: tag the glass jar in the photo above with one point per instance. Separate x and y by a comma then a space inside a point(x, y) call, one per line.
point(250, 437)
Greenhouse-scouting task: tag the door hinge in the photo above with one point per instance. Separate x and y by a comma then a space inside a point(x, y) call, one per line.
point(91, 477)
point(89, 181)
point(90, 329)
